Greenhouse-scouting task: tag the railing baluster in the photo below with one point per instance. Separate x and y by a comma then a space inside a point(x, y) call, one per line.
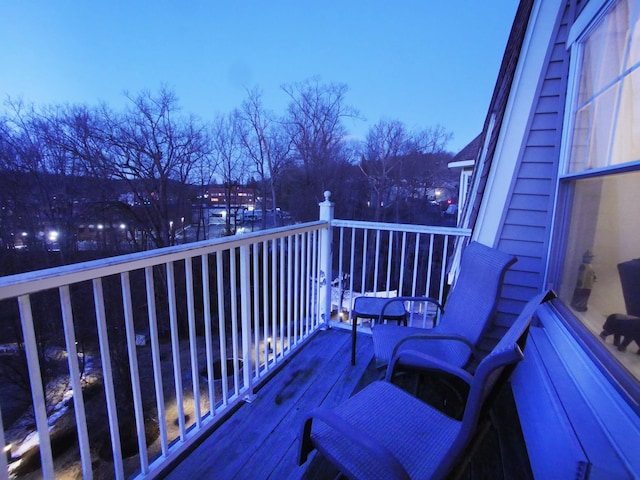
point(208, 334)
point(222, 328)
point(274, 304)
point(340, 276)
point(290, 290)
point(363, 285)
point(389, 257)
point(175, 348)
point(245, 299)
point(155, 357)
point(37, 392)
point(234, 323)
point(416, 255)
point(314, 284)
point(133, 370)
point(376, 262)
point(443, 267)
point(306, 279)
point(266, 313)
point(4, 467)
point(193, 343)
point(351, 272)
point(282, 297)
point(256, 305)
point(428, 273)
point(76, 381)
point(107, 376)
point(296, 287)
point(403, 250)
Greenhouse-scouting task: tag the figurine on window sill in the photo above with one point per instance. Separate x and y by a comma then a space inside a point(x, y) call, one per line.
point(584, 284)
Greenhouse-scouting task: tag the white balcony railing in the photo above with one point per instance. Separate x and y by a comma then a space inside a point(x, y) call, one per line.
point(162, 344)
point(389, 260)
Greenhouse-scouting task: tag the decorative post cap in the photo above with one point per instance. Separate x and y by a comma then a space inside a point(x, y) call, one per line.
point(327, 195)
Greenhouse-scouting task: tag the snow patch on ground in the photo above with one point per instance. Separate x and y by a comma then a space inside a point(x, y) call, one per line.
point(32, 440)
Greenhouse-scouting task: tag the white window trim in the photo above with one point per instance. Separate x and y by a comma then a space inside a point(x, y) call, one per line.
point(592, 12)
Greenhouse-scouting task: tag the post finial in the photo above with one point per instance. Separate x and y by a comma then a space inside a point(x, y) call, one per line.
point(327, 195)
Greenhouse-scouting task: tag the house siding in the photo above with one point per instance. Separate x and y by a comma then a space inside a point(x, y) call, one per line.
point(575, 421)
point(526, 225)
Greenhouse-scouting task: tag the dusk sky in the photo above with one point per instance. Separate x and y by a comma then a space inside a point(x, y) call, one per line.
point(422, 62)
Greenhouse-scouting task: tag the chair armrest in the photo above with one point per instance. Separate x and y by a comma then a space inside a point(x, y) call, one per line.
point(423, 361)
point(409, 299)
point(431, 335)
point(374, 450)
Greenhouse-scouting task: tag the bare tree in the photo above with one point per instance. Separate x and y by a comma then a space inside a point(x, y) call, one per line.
point(155, 151)
point(427, 164)
point(388, 142)
point(204, 176)
point(396, 164)
point(44, 176)
point(266, 144)
point(314, 121)
point(232, 163)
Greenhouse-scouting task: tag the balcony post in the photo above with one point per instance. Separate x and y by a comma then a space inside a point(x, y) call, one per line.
point(326, 250)
point(245, 318)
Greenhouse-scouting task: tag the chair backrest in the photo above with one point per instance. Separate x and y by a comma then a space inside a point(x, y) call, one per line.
point(494, 371)
point(472, 300)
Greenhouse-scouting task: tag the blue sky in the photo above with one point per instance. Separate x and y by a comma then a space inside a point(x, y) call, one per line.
point(424, 62)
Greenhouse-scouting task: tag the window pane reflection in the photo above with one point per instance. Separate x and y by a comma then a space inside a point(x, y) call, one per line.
point(603, 232)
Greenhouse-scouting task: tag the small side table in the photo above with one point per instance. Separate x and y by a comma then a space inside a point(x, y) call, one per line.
point(371, 307)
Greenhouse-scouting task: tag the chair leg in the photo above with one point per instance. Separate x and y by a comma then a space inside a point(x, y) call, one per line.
point(461, 470)
point(354, 323)
point(306, 446)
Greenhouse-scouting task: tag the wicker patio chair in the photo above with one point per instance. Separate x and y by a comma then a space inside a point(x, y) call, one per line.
point(383, 432)
point(468, 309)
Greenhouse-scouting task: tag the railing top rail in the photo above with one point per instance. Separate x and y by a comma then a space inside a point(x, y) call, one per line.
point(403, 227)
point(30, 282)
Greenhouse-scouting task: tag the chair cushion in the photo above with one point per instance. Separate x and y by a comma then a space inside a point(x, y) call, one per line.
point(469, 306)
point(418, 435)
point(386, 337)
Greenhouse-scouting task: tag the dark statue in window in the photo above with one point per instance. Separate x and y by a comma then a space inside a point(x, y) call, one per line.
point(584, 284)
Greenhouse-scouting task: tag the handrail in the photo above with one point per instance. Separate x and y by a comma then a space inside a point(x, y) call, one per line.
point(224, 277)
point(34, 281)
point(402, 227)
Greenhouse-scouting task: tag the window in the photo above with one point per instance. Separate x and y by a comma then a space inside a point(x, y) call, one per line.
point(600, 275)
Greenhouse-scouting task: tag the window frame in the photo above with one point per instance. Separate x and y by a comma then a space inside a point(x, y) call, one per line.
point(621, 379)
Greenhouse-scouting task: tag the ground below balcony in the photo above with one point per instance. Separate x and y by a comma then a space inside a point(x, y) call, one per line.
point(260, 440)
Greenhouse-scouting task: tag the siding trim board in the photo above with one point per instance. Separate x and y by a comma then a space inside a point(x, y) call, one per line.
point(540, 153)
point(506, 158)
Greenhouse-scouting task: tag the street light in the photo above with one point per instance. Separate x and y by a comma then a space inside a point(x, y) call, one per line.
point(183, 232)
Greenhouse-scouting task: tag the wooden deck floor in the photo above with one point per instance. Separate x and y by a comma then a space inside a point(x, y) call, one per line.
point(260, 440)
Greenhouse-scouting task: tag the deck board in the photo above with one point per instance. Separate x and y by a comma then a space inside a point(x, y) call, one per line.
point(260, 440)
